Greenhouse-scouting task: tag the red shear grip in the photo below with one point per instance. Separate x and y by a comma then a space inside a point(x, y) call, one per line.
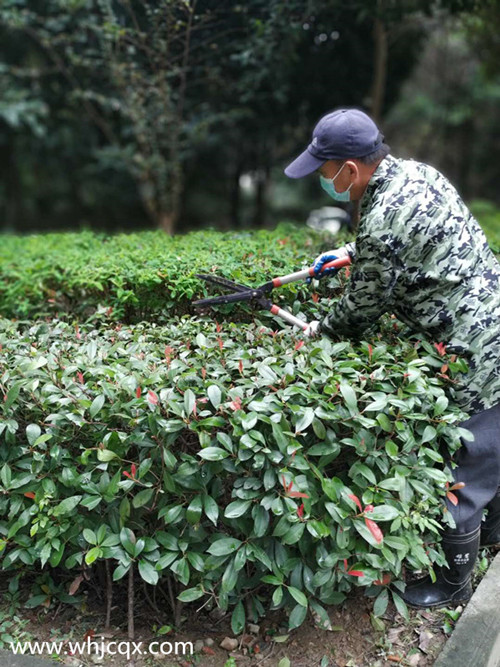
point(276, 282)
point(275, 310)
point(338, 263)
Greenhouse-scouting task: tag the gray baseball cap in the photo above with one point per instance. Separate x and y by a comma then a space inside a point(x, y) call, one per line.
point(341, 134)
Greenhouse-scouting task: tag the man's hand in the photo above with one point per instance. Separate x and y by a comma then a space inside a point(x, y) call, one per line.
point(313, 329)
point(323, 259)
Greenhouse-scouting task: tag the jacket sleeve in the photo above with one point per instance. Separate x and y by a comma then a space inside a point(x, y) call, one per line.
point(369, 292)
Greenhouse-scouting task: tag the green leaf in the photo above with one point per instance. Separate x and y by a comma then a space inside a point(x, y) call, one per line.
point(237, 509)
point(89, 536)
point(297, 616)
point(214, 395)
point(33, 432)
point(213, 453)
point(190, 594)
point(304, 420)
point(238, 619)
point(142, 498)
point(349, 397)
point(189, 402)
point(96, 405)
point(400, 605)
point(120, 572)
point(93, 555)
point(429, 434)
point(380, 604)
point(12, 395)
point(224, 546)
point(6, 476)
point(261, 521)
point(392, 449)
point(105, 455)
point(210, 508)
point(384, 422)
point(298, 595)
point(67, 505)
point(383, 513)
point(148, 572)
point(193, 512)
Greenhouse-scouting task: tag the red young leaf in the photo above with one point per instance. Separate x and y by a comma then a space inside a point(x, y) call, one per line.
point(297, 494)
point(75, 584)
point(452, 498)
point(138, 392)
point(374, 530)
point(356, 573)
point(300, 511)
point(80, 377)
point(299, 344)
point(78, 334)
point(457, 486)
point(221, 343)
point(370, 351)
point(240, 366)
point(133, 469)
point(386, 579)
point(203, 372)
point(441, 348)
point(236, 404)
point(30, 494)
point(152, 397)
point(356, 500)
point(127, 474)
point(218, 327)
point(315, 297)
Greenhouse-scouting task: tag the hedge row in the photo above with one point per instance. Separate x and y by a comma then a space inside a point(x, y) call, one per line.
point(246, 467)
point(139, 276)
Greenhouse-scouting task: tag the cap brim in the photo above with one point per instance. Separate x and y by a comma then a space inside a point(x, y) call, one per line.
point(304, 165)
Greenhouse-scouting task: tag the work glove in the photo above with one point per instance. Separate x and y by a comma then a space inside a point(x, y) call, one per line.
point(320, 261)
point(313, 329)
point(329, 256)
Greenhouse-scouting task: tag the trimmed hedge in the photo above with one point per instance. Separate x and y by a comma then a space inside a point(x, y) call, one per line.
point(140, 276)
point(240, 463)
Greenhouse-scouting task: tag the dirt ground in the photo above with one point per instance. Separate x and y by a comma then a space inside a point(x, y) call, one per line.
point(356, 639)
point(352, 642)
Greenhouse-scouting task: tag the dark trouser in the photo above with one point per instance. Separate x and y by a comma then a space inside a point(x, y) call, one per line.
point(478, 467)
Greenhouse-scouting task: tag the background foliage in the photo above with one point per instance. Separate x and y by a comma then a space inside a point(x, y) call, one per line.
point(175, 114)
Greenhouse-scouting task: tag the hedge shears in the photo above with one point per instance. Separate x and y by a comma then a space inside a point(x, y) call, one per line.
point(259, 295)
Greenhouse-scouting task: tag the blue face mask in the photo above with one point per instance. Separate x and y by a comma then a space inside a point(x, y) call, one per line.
point(329, 188)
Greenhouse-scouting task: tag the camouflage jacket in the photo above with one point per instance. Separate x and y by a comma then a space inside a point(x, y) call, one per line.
point(421, 255)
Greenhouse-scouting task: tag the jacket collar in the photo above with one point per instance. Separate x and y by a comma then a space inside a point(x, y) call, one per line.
point(384, 171)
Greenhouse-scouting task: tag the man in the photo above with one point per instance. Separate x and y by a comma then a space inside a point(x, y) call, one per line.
point(421, 255)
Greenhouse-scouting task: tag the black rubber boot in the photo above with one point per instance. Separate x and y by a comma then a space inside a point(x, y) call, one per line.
point(453, 584)
point(490, 528)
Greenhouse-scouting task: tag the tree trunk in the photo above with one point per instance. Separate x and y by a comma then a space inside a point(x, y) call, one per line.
point(166, 221)
point(235, 208)
point(260, 212)
point(466, 144)
point(380, 67)
point(131, 629)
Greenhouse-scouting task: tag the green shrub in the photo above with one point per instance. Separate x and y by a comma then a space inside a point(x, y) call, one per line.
point(238, 462)
point(148, 275)
point(488, 216)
